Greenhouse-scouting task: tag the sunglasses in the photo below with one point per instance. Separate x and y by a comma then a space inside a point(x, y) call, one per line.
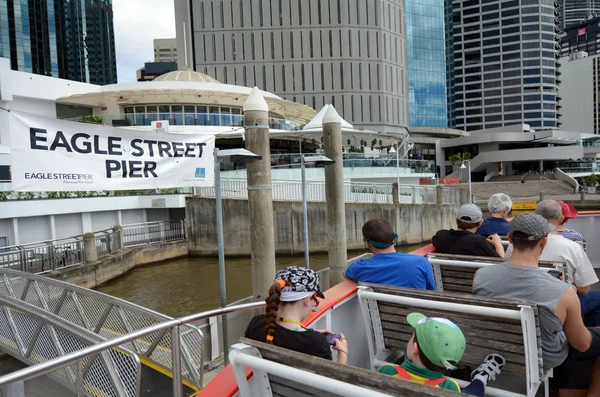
point(314, 297)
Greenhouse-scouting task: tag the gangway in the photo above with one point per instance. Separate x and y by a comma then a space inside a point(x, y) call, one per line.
point(32, 307)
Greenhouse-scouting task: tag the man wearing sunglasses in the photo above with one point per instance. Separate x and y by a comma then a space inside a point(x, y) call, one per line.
point(388, 266)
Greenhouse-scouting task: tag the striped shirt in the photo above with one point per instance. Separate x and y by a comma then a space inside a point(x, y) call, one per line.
point(570, 234)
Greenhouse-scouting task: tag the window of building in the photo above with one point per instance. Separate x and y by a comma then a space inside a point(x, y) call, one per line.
point(302, 77)
point(292, 44)
point(280, 14)
point(319, 11)
point(332, 77)
point(360, 86)
point(342, 75)
point(251, 46)
point(321, 42)
point(283, 77)
point(322, 77)
point(299, 12)
point(310, 39)
point(330, 43)
point(202, 19)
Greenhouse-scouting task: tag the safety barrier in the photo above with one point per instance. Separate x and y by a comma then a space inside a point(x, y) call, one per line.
point(354, 192)
point(46, 256)
point(81, 310)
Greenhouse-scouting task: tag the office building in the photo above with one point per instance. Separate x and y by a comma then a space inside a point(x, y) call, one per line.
point(505, 63)
point(580, 88)
point(349, 54)
point(152, 70)
point(67, 39)
point(573, 12)
point(582, 36)
point(450, 88)
point(165, 50)
point(426, 54)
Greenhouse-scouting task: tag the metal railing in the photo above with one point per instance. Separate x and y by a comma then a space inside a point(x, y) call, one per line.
point(354, 192)
point(37, 336)
point(46, 256)
point(171, 328)
point(86, 311)
point(153, 232)
point(43, 256)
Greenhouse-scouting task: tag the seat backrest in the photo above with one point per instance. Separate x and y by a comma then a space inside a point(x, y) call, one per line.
point(455, 273)
point(332, 370)
point(486, 329)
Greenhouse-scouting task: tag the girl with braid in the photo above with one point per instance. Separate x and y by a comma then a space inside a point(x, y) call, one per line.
point(292, 298)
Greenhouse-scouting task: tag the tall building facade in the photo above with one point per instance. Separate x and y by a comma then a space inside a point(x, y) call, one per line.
point(505, 63)
point(349, 53)
point(70, 39)
point(572, 12)
point(581, 93)
point(165, 50)
point(450, 85)
point(426, 54)
point(582, 36)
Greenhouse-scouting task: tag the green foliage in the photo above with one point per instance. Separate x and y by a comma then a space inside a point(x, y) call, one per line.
point(91, 119)
point(592, 180)
point(457, 159)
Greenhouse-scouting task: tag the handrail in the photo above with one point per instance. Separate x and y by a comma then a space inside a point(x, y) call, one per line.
point(71, 358)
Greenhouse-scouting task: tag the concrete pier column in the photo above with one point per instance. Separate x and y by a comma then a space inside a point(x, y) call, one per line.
point(334, 195)
point(89, 246)
point(395, 198)
point(119, 228)
point(260, 195)
point(440, 194)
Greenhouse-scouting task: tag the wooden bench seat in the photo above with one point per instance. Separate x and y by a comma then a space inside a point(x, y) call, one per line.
point(451, 276)
point(266, 383)
point(508, 327)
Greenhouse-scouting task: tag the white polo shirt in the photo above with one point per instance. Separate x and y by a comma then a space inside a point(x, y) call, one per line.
point(559, 249)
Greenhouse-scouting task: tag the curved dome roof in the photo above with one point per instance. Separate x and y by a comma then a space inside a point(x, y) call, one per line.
point(186, 74)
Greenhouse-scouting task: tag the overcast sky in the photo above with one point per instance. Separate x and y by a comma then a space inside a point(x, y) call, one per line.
point(137, 23)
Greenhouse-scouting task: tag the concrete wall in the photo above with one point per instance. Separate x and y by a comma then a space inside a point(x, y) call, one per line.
point(96, 273)
point(413, 223)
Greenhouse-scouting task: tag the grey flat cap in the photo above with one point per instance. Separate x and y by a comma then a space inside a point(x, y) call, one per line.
point(532, 226)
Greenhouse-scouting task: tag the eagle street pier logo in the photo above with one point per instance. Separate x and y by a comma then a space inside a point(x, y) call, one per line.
point(200, 173)
point(72, 179)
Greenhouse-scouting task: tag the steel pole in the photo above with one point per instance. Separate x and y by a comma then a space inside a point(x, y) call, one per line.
point(221, 252)
point(398, 168)
point(305, 214)
point(176, 358)
point(470, 187)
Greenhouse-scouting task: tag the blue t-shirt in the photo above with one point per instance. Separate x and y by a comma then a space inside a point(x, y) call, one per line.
point(401, 270)
point(491, 225)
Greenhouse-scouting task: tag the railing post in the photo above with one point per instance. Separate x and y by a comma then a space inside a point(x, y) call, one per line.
point(108, 243)
point(395, 193)
point(183, 231)
point(440, 194)
point(176, 359)
point(51, 256)
point(89, 246)
point(119, 230)
point(162, 232)
point(414, 195)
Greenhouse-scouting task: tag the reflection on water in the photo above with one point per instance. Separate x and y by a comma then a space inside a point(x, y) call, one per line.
point(190, 285)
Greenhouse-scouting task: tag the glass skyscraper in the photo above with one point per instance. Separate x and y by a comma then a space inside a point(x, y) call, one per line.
point(426, 47)
point(70, 39)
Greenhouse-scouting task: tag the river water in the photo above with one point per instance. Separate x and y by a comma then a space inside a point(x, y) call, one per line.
point(190, 285)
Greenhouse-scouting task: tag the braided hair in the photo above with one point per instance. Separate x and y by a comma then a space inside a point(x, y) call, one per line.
point(273, 301)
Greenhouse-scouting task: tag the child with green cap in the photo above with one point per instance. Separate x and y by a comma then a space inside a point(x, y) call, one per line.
point(437, 345)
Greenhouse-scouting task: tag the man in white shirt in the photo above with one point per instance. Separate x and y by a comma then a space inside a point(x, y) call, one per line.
point(580, 271)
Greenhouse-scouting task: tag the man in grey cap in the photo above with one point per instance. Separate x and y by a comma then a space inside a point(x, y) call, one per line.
point(465, 241)
point(567, 345)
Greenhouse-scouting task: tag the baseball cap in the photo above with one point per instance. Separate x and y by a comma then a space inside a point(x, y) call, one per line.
point(469, 213)
point(300, 283)
point(568, 211)
point(532, 226)
point(440, 340)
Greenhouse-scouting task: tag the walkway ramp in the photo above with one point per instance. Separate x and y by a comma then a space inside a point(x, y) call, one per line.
point(93, 317)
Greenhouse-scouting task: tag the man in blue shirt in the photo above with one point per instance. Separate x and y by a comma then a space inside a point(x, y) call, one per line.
point(499, 206)
point(388, 266)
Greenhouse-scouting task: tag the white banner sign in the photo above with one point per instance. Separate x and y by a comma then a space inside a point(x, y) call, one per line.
point(58, 155)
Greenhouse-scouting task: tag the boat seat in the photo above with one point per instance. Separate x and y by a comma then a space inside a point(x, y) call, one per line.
point(454, 273)
point(282, 372)
point(508, 327)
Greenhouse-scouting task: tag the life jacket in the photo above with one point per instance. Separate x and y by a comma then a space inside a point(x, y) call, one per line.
point(404, 374)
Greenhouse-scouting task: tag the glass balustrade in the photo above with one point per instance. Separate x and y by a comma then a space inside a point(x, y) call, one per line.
point(176, 118)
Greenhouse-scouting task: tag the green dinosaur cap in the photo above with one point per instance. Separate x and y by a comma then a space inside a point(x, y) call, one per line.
point(440, 340)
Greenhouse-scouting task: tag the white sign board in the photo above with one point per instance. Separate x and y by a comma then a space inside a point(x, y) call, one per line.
point(58, 155)
point(160, 126)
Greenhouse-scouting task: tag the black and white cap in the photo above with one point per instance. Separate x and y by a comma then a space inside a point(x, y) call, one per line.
point(530, 227)
point(469, 213)
point(302, 282)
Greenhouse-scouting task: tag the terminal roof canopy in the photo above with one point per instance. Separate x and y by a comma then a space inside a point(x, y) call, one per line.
point(187, 74)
